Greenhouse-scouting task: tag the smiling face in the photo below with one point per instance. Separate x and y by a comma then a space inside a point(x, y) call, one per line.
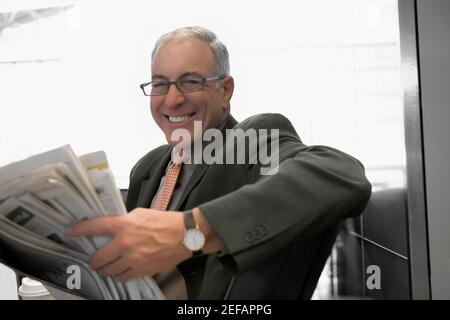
point(176, 110)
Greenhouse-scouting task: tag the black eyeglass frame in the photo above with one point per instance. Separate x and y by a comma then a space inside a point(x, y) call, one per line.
point(177, 84)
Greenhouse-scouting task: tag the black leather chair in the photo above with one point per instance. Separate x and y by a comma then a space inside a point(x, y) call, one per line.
point(377, 237)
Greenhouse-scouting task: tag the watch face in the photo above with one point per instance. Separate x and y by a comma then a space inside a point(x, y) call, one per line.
point(194, 239)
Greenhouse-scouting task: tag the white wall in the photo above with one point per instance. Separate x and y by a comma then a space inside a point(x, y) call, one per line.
point(332, 67)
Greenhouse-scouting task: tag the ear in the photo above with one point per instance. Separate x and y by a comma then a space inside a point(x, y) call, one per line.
point(227, 90)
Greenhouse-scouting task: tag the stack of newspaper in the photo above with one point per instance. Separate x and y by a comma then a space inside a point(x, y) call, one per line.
point(40, 197)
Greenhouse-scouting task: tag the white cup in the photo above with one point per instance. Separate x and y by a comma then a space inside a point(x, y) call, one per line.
point(34, 290)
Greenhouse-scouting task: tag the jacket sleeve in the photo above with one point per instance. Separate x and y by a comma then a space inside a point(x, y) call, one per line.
point(315, 187)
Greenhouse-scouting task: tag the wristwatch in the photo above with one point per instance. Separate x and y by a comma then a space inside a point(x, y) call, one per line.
point(194, 239)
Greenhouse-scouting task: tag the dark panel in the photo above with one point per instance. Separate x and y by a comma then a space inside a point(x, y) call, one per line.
point(384, 220)
point(415, 172)
point(349, 266)
point(394, 274)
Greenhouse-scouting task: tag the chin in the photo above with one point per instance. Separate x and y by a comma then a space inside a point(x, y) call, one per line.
point(173, 143)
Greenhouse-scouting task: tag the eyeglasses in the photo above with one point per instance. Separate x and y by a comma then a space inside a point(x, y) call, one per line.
point(188, 83)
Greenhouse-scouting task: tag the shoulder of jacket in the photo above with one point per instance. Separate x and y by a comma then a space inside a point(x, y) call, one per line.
point(266, 121)
point(270, 121)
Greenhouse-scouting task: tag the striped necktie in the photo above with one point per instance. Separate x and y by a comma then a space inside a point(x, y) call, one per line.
point(171, 282)
point(165, 194)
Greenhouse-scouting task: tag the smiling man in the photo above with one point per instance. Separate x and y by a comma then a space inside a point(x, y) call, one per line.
point(192, 65)
point(230, 231)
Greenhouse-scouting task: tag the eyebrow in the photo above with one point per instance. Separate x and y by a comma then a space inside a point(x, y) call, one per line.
point(189, 73)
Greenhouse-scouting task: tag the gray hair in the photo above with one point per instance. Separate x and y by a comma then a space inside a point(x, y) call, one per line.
point(217, 47)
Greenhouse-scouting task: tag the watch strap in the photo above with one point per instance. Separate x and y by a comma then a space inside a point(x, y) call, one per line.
point(189, 223)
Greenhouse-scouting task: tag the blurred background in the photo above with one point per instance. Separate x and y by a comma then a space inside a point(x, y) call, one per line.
point(70, 74)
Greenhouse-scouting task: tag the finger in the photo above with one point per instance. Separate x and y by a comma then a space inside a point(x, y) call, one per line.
point(149, 269)
point(104, 226)
point(128, 275)
point(116, 267)
point(105, 255)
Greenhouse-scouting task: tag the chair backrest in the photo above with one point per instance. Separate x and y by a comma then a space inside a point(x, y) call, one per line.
point(377, 238)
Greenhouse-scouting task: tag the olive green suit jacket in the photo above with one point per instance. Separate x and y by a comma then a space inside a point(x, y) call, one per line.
point(272, 226)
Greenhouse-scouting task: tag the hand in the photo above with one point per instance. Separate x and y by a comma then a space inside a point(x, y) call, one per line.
point(144, 242)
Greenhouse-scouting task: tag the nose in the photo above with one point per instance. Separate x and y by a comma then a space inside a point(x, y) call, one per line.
point(174, 98)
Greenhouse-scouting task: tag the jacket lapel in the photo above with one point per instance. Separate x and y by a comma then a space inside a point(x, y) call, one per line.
point(149, 187)
point(198, 173)
point(200, 169)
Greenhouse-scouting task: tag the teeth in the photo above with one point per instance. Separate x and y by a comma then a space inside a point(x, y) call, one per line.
point(179, 118)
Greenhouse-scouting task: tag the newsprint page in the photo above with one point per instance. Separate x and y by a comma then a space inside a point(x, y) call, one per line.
point(40, 197)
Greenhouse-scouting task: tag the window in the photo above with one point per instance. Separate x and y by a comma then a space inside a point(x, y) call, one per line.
point(70, 70)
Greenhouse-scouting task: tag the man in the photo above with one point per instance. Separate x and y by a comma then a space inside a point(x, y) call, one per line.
point(252, 235)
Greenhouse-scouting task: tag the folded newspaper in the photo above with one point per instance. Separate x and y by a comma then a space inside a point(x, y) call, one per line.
point(40, 197)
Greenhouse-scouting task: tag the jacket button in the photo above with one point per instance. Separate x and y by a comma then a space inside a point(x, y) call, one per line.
point(264, 229)
point(249, 237)
point(260, 232)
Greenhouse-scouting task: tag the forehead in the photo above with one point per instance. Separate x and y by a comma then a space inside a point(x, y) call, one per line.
point(177, 57)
